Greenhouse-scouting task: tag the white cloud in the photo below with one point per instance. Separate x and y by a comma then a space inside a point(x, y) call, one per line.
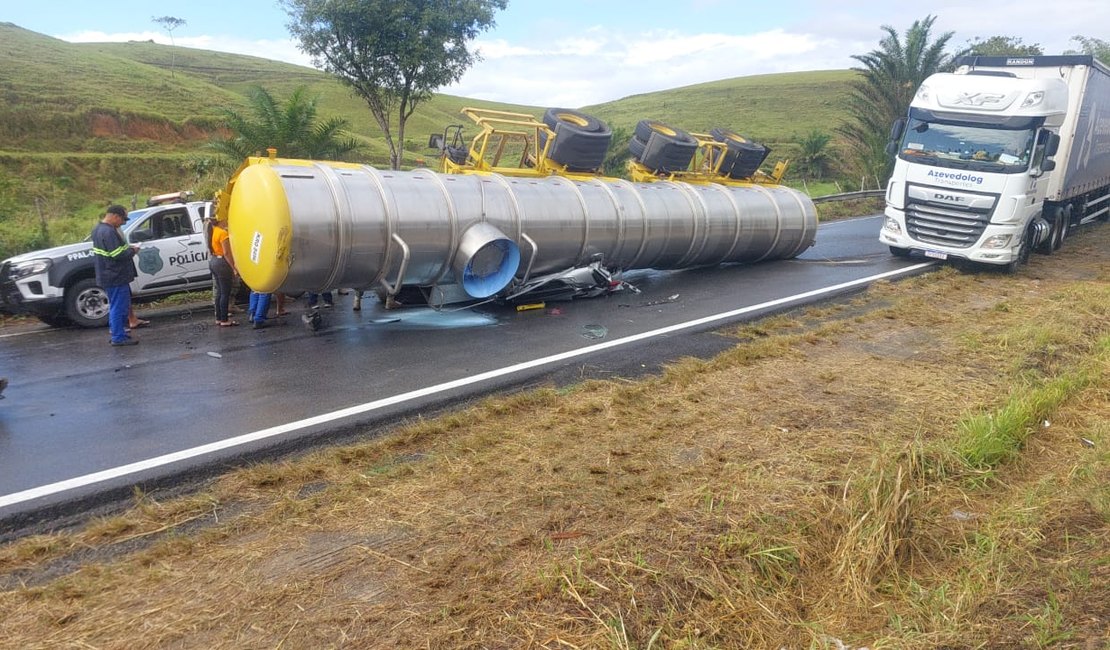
point(595, 64)
point(601, 66)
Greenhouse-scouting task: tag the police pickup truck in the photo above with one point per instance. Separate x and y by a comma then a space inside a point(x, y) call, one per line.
point(58, 285)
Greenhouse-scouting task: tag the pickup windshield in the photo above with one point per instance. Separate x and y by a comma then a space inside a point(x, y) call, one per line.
point(965, 146)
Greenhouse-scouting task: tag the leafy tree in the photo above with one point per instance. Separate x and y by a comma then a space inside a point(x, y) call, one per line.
point(292, 128)
point(392, 53)
point(1001, 46)
point(1096, 47)
point(170, 23)
point(888, 80)
point(813, 161)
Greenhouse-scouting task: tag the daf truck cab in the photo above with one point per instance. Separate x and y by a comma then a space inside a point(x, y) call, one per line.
point(1000, 158)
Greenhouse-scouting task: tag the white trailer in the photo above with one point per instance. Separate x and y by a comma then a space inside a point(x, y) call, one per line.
point(999, 158)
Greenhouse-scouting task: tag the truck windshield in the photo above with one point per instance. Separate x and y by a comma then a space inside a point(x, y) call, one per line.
point(966, 146)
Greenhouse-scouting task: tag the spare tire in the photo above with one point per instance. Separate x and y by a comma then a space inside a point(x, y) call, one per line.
point(581, 140)
point(666, 149)
point(743, 157)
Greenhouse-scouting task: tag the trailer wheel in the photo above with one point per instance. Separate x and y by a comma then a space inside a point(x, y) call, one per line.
point(636, 147)
point(87, 304)
point(581, 140)
point(666, 149)
point(743, 157)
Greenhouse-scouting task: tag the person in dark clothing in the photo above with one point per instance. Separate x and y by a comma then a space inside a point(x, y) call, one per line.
point(222, 264)
point(115, 269)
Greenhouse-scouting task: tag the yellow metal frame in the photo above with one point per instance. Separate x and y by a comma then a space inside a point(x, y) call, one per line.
point(502, 132)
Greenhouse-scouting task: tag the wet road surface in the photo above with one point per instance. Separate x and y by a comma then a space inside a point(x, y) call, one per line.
point(83, 420)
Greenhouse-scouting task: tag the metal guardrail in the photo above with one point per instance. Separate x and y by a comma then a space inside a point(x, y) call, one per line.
point(865, 194)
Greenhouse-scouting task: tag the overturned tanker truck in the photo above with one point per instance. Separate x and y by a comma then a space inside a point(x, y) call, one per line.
point(521, 212)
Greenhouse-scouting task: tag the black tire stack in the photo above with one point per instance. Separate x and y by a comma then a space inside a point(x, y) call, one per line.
point(581, 141)
point(743, 157)
point(662, 148)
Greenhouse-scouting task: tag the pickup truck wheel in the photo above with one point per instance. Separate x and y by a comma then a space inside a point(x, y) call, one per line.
point(87, 304)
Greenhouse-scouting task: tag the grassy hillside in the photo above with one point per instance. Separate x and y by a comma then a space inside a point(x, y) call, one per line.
point(85, 124)
point(772, 108)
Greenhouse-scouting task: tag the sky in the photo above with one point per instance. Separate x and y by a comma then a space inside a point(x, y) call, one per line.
point(574, 53)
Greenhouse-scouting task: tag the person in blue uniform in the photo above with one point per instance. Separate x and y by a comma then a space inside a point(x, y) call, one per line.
point(114, 260)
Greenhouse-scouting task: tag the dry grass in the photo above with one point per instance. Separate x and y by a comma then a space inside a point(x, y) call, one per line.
point(811, 487)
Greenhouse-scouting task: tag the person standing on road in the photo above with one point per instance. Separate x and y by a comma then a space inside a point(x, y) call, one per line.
point(222, 264)
point(115, 269)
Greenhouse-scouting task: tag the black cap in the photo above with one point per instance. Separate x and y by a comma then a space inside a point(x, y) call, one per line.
point(118, 210)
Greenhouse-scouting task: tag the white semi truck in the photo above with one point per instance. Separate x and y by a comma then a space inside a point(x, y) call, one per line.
point(1001, 157)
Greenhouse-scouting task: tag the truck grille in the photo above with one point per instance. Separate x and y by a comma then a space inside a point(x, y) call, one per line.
point(946, 218)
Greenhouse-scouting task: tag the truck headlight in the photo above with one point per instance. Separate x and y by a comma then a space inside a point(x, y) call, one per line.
point(998, 241)
point(29, 267)
point(892, 226)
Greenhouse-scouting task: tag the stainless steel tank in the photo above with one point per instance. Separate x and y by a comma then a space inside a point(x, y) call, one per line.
point(302, 225)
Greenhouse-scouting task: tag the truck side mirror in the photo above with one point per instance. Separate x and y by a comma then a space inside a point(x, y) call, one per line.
point(1048, 165)
point(892, 148)
point(435, 141)
point(1052, 146)
point(897, 129)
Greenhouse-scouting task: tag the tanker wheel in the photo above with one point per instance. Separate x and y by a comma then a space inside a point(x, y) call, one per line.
point(576, 120)
point(742, 157)
point(582, 140)
point(666, 149)
point(87, 303)
point(636, 147)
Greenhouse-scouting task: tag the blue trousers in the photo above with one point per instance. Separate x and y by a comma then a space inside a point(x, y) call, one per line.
point(119, 303)
point(259, 305)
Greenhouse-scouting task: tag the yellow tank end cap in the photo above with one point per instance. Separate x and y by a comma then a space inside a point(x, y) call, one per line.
point(260, 228)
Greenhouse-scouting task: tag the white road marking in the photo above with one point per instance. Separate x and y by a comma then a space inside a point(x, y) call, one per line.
point(186, 454)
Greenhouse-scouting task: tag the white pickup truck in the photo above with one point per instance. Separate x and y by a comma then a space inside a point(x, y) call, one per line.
point(58, 285)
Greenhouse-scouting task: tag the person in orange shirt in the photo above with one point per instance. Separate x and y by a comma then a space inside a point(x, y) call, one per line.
point(222, 264)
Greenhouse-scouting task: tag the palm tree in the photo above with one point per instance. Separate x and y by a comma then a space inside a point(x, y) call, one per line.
point(888, 80)
point(292, 128)
point(814, 157)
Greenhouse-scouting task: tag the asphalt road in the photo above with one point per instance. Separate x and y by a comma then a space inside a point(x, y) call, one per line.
point(83, 421)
